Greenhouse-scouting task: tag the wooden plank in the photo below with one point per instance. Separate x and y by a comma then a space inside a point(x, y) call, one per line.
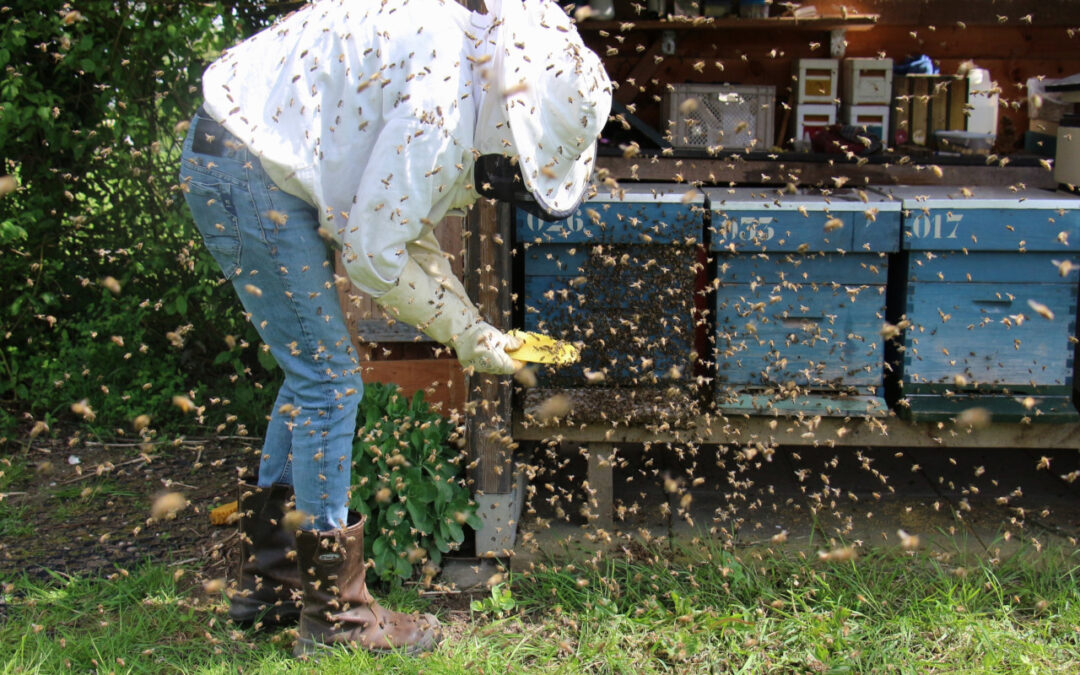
point(966, 329)
point(442, 380)
point(743, 430)
point(973, 13)
point(629, 88)
point(807, 172)
point(853, 22)
point(487, 281)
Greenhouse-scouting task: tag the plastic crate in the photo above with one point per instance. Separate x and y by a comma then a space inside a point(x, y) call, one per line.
point(721, 116)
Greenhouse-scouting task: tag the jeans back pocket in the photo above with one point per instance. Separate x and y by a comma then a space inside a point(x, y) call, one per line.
point(212, 207)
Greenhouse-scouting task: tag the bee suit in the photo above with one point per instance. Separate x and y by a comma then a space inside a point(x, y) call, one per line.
point(375, 113)
point(361, 123)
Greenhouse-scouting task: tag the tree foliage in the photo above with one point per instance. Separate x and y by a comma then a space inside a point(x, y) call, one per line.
point(107, 295)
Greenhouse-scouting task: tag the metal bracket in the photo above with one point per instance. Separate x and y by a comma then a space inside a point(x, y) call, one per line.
point(837, 43)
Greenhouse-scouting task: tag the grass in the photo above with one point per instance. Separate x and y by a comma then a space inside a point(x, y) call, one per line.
point(701, 610)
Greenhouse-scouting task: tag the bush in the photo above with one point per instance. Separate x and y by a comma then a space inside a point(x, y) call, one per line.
point(406, 480)
point(97, 244)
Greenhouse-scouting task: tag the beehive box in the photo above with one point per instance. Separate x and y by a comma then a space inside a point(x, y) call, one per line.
point(873, 118)
point(989, 287)
point(811, 118)
point(800, 299)
point(618, 278)
point(925, 104)
point(868, 81)
point(817, 80)
point(715, 116)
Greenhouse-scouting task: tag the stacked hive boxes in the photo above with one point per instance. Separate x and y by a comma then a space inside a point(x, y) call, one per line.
point(935, 300)
point(815, 97)
point(988, 284)
point(867, 94)
point(800, 299)
point(619, 278)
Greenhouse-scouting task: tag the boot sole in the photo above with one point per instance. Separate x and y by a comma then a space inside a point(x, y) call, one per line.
point(246, 612)
point(306, 647)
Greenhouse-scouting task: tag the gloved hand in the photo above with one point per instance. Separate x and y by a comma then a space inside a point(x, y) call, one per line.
point(448, 318)
point(484, 348)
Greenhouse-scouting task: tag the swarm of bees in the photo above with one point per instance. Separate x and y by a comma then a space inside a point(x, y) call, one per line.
point(666, 304)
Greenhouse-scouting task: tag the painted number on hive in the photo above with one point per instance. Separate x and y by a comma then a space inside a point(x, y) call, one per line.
point(926, 227)
point(748, 228)
point(574, 224)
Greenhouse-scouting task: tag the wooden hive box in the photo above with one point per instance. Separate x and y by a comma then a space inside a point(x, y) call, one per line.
point(617, 278)
point(800, 299)
point(979, 280)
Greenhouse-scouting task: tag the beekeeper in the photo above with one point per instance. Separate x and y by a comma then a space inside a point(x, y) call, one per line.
point(362, 124)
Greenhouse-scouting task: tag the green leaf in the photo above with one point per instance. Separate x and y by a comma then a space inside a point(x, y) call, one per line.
point(420, 490)
point(266, 360)
point(404, 569)
point(440, 542)
point(395, 515)
point(456, 534)
point(445, 492)
point(474, 521)
point(379, 547)
point(422, 518)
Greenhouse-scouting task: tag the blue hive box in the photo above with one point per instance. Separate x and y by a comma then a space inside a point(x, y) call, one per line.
point(988, 284)
point(618, 279)
point(800, 299)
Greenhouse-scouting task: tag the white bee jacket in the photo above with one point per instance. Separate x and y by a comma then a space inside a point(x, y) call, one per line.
point(368, 111)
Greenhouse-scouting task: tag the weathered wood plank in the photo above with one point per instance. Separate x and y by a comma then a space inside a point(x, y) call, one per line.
point(737, 170)
point(810, 431)
point(487, 281)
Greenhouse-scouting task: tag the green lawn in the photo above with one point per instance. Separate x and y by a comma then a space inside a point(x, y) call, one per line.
point(702, 610)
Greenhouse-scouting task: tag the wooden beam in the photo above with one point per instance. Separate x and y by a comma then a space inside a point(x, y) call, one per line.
point(487, 281)
point(635, 81)
point(742, 430)
point(821, 23)
point(802, 172)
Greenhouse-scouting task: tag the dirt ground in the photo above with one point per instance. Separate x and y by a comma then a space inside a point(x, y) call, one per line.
point(92, 517)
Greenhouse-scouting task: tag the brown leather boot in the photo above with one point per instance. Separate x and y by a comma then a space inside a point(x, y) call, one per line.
point(269, 581)
point(337, 607)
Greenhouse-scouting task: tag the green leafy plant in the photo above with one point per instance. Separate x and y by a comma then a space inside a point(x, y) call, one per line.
point(500, 603)
point(406, 479)
point(94, 99)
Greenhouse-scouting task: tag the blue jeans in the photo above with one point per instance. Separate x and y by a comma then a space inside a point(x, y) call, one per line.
point(267, 245)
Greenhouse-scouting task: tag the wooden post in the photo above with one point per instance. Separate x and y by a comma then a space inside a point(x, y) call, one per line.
point(491, 447)
point(487, 280)
point(601, 484)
